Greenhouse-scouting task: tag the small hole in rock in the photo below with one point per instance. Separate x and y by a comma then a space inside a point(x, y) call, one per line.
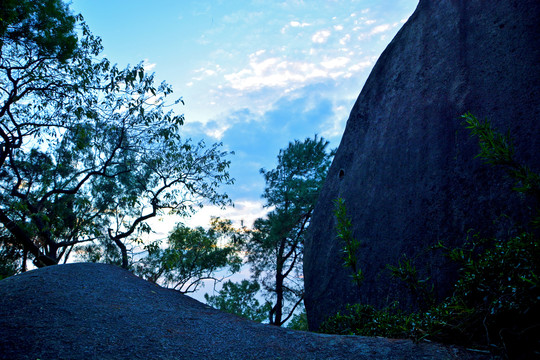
point(341, 173)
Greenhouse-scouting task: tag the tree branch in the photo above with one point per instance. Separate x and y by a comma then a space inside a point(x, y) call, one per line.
point(22, 238)
point(292, 310)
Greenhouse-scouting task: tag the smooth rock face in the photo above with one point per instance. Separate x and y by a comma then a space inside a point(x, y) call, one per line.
point(405, 166)
point(101, 312)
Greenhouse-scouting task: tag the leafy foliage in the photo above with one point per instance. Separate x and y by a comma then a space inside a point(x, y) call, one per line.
point(497, 149)
point(240, 299)
point(420, 288)
point(192, 256)
point(11, 256)
point(299, 321)
point(365, 320)
point(275, 247)
point(496, 300)
point(46, 25)
point(88, 152)
point(351, 244)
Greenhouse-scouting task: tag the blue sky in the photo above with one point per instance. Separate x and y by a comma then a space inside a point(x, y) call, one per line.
point(253, 74)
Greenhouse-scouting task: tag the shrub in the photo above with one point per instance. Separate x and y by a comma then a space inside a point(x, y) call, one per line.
point(365, 320)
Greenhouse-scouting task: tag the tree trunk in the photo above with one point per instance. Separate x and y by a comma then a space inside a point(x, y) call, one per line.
point(123, 251)
point(278, 314)
point(278, 308)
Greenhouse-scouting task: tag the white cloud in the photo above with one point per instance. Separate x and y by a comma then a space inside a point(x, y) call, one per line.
point(344, 40)
point(362, 65)
point(338, 27)
point(280, 72)
point(334, 63)
point(335, 125)
point(294, 24)
point(204, 73)
point(148, 66)
point(298, 24)
point(257, 53)
point(320, 37)
point(218, 132)
point(380, 29)
point(274, 72)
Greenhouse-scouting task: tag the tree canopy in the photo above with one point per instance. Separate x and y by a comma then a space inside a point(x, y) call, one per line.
point(240, 299)
point(89, 152)
point(191, 257)
point(275, 247)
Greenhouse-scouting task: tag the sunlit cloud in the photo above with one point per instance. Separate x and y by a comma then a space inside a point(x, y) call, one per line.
point(334, 125)
point(273, 72)
point(203, 73)
point(279, 72)
point(216, 133)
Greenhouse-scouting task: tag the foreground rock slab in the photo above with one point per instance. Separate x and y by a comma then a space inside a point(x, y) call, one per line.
point(97, 311)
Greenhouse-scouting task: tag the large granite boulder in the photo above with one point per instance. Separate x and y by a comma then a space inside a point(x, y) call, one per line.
point(405, 166)
point(102, 312)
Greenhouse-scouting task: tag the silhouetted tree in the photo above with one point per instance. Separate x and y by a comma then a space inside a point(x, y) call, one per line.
point(88, 152)
point(275, 247)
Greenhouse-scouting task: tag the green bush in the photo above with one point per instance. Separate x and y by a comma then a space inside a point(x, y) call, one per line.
point(496, 300)
point(362, 319)
point(298, 322)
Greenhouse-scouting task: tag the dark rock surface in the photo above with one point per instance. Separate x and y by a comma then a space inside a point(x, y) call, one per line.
point(405, 166)
point(95, 311)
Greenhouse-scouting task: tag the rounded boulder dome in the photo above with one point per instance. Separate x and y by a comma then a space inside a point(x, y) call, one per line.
point(406, 166)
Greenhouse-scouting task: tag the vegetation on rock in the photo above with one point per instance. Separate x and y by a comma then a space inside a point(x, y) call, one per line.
point(351, 245)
